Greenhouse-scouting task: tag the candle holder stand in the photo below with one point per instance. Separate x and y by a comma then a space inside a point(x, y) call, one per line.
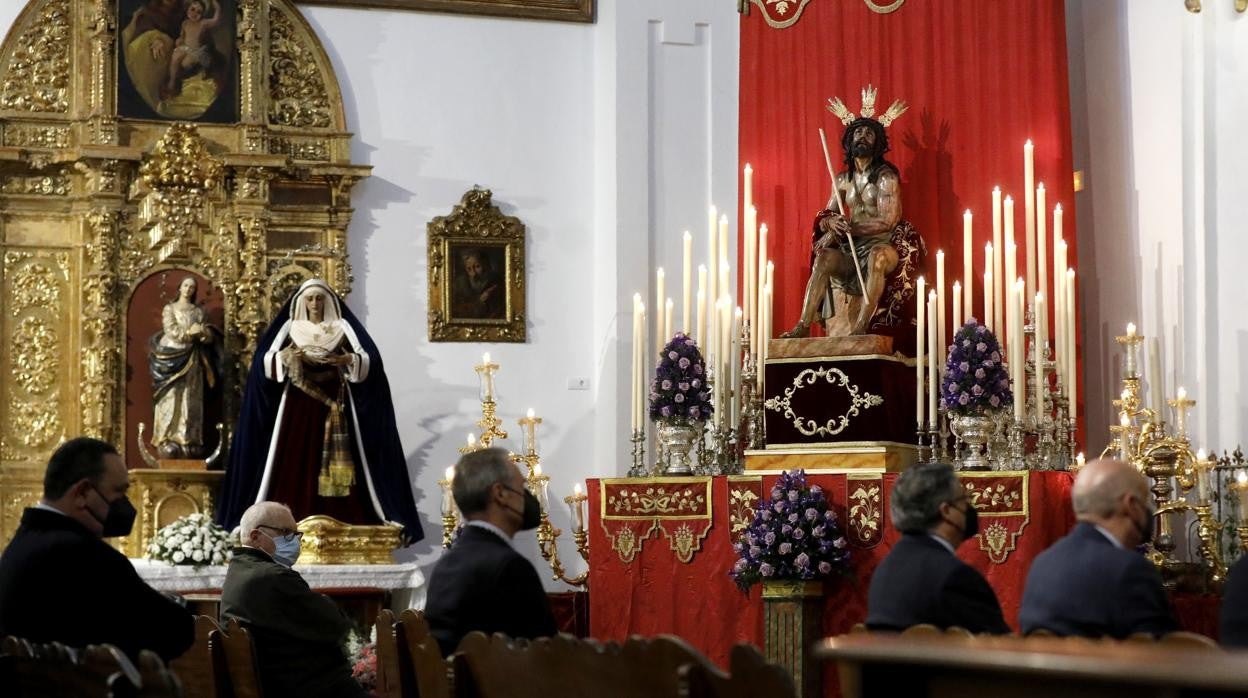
point(450, 517)
point(638, 467)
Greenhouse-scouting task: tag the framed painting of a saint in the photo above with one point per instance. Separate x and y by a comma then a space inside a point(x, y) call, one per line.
point(557, 10)
point(178, 60)
point(476, 274)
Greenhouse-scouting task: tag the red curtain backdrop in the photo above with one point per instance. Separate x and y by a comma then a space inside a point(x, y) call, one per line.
point(980, 78)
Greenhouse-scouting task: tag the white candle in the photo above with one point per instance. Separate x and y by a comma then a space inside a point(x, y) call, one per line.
point(1072, 359)
point(643, 372)
point(1041, 373)
point(1009, 269)
point(758, 335)
point(747, 189)
point(1029, 209)
point(700, 337)
point(941, 345)
point(636, 373)
point(448, 498)
point(957, 307)
point(660, 328)
point(1180, 414)
point(1011, 303)
point(919, 340)
point(1042, 256)
point(1011, 257)
point(487, 379)
point(750, 235)
point(1059, 314)
point(1130, 368)
point(968, 267)
point(712, 275)
point(578, 506)
point(735, 357)
point(933, 383)
point(767, 310)
point(1154, 376)
point(725, 270)
point(530, 432)
point(667, 322)
point(1202, 477)
point(988, 309)
point(472, 441)
point(686, 325)
point(1019, 347)
point(998, 273)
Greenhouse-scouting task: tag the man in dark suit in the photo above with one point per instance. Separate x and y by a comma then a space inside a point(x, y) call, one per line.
point(298, 633)
point(482, 583)
point(58, 555)
point(1093, 582)
point(1234, 631)
point(922, 580)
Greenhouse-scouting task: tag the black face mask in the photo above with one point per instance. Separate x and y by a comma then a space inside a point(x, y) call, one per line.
point(1146, 531)
point(120, 519)
point(972, 521)
point(531, 515)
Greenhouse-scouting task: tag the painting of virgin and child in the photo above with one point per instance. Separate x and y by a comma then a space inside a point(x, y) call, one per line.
point(178, 60)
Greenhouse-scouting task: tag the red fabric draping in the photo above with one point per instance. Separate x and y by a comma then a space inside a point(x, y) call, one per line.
point(655, 593)
point(980, 78)
point(1198, 613)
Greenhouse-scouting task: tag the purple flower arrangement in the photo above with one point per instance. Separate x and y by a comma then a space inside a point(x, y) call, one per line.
point(679, 392)
point(794, 535)
point(975, 377)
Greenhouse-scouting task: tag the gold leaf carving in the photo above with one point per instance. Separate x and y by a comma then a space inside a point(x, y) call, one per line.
point(36, 78)
point(297, 94)
point(33, 286)
point(35, 425)
point(36, 360)
point(29, 136)
point(180, 162)
point(300, 149)
point(50, 185)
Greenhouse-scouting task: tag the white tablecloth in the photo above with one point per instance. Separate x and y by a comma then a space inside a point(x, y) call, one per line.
point(405, 582)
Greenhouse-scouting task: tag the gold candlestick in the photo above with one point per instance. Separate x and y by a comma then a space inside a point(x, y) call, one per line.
point(1207, 530)
point(1240, 486)
point(528, 424)
point(450, 517)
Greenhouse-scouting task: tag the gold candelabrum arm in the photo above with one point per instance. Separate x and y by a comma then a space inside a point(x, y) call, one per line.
point(547, 534)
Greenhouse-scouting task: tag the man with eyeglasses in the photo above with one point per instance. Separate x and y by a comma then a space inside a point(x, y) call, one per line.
point(922, 580)
point(58, 555)
point(298, 633)
point(482, 583)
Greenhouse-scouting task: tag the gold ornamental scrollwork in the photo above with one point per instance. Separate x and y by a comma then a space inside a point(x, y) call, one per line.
point(33, 285)
point(656, 500)
point(859, 400)
point(866, 509)
point(297, 92)
point(36, 75)
point(884, 8)
point(36, 362)
point(31, 136)
point(39, 185)
point(781, 14)
point(741, 503)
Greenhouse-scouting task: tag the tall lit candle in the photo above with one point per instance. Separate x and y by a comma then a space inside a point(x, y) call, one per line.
point(957, 307)
point(1042, 256)
point(636, 373)
point(998, 272)
point(1029, 209)
point(1041, 373)
point(735, 357)
point(1059, 312)
point(764, 333)
point(1009, 269)
point(747, 188)
point(1202, 477)
point(968, 267)
point(642, 374)
point(941, 346)
point(725, 267)
point(1130, 367)
point(1155, 389)
point(660, 326)
point(988, 309)
point(1011, 303)
point(749, 234)
point(933, 383)
point(1019, 347)
point(701, 303)
point(487, 378)
point(1011, 243)
point(757, 334)
point(530, 431)
point(448, 498)
point(686, 324)
point(1180, 413)
point(920, 340)
point(578, 506)
point(712, 272)
point(1072, 359)
point(667, 323)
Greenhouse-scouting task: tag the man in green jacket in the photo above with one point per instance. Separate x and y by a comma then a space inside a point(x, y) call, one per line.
point(298, 634)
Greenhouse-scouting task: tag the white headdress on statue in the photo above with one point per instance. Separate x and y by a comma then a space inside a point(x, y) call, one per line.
point(323, 336)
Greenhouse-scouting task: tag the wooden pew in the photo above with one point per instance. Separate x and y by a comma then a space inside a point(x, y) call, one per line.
point(750, 677)
point(421, 658)
point(945, 667)
point(234, 662)
point(103, 671)
point(195, 668)
point(498, 667)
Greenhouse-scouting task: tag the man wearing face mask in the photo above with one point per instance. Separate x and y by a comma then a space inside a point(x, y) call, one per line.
point(922, 580)
point(58, 554)
point(482, 583)
point(297, 633)
point(1094, 582)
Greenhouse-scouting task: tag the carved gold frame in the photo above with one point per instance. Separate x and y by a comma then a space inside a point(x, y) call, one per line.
point(476, 220)
point(558, 10)
point(91, 204)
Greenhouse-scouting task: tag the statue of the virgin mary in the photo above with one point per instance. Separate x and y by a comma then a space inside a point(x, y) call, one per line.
point(317, 430)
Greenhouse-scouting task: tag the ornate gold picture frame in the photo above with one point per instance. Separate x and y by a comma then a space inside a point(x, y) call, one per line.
point(476, 273)
point(558, 10)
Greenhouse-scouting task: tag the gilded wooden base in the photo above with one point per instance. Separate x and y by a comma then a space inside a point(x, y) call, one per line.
point(791, 625)
point(824, 347)
point(163, 496)
point(328, 541)
point(881, 456)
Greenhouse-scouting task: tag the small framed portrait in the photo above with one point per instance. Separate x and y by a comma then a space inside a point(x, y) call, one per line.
point(476, 274)
point(557, 10)
point(177, 60)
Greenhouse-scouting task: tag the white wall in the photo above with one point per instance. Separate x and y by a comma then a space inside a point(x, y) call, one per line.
point(607, 140)
point(1160, 115)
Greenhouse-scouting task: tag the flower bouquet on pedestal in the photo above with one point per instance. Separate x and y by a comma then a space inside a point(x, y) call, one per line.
point(975, 388)
point(679, 401)
point(191, 540)
point(793, 544)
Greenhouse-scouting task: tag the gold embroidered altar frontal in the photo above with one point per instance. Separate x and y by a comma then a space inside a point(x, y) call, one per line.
point(634, 509)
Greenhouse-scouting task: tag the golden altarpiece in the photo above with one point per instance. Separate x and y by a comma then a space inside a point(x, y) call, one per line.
point(93, 205)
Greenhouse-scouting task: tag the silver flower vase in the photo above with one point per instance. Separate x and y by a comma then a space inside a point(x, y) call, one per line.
point(974, 429)
point(677, 439)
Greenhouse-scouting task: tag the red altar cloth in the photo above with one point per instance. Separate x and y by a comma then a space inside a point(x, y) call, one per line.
point(656, 593)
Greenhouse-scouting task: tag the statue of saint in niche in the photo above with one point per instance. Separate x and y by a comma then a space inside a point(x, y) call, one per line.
point(184, 358)
point(317, 429)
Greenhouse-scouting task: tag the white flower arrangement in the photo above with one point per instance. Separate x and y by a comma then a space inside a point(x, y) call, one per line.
point(191, 540)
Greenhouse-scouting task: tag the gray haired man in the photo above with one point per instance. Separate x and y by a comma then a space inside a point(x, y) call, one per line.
point(922, 580)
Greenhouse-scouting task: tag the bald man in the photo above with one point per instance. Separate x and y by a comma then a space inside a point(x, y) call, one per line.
point(1094, 582)
point(298, 633)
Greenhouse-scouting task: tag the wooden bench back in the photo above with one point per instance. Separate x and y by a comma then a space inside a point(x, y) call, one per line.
point(234, 662)
point(52, 669)
point(429, 672)
point(750, 676)
point(195, 668)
